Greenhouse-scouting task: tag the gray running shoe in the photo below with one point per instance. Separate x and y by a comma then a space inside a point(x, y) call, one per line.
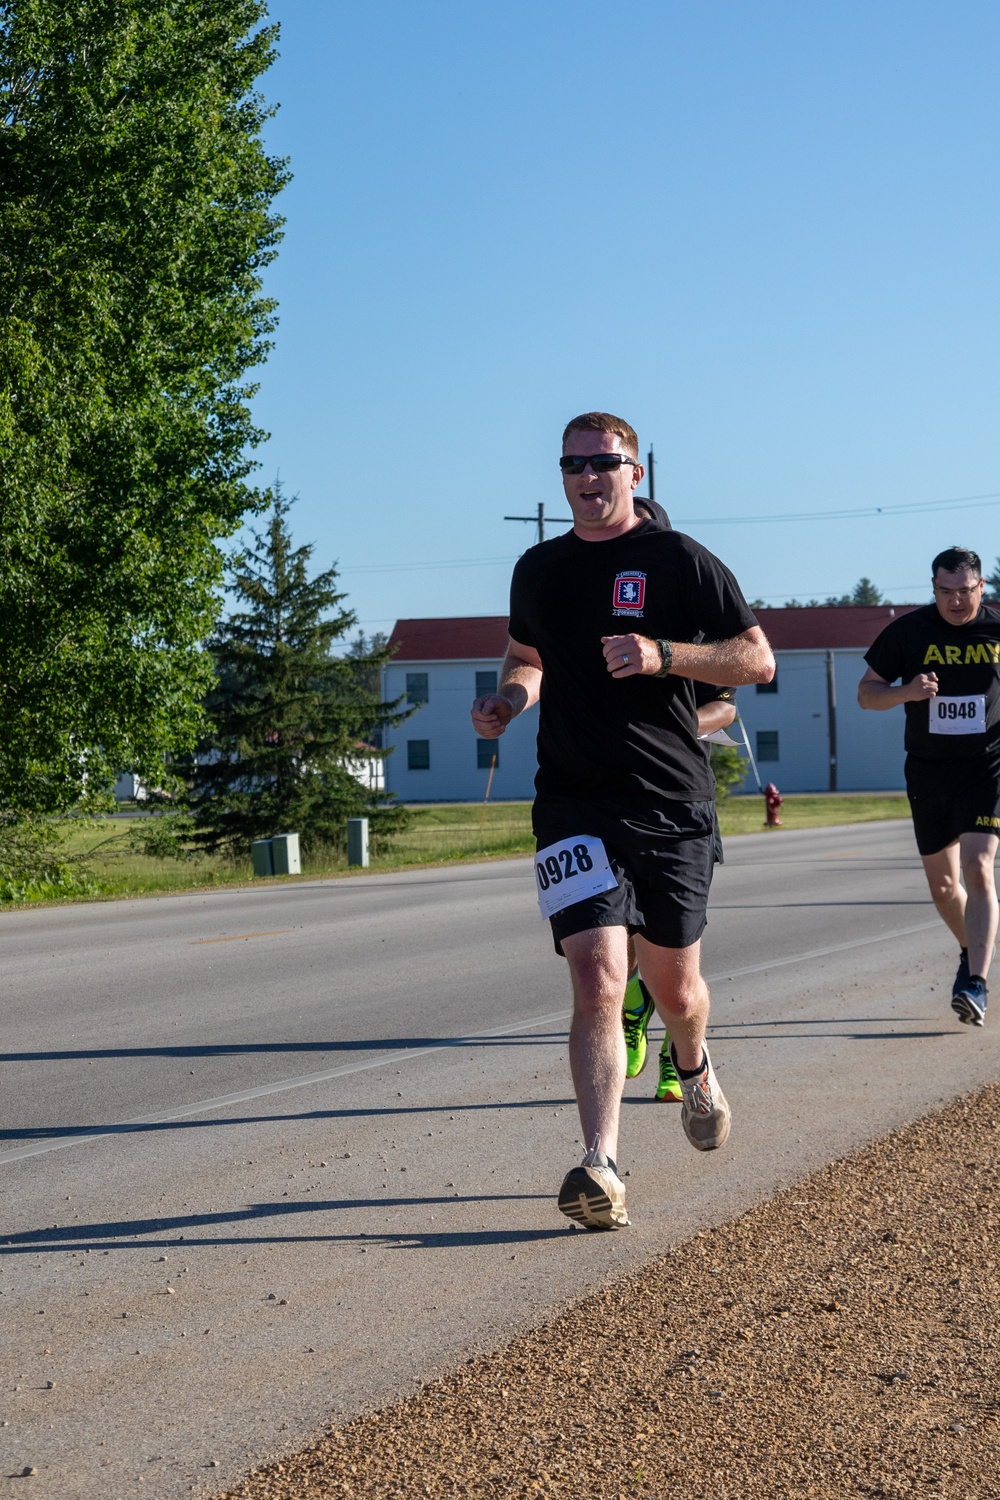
point(593, 1195)
point(705, 1115)
point(969, 1003)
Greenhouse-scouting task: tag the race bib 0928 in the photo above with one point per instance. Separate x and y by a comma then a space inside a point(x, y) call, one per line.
point(570, 871)
point(958, 715)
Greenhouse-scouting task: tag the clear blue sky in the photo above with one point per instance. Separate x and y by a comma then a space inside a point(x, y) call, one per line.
point(765, 233)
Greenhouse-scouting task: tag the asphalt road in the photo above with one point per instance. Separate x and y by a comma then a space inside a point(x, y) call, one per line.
point(271, 1156)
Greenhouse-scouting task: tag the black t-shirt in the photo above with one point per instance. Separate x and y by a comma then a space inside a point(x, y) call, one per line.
point(599, 737)
point(705, 693)
point(963, 721)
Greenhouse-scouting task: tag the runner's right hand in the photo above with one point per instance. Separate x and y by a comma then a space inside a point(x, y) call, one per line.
point(924, 686)
point(491, 715)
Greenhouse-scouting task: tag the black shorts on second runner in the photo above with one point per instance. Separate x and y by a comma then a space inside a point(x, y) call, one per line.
point(662, 857)
point(952, 797)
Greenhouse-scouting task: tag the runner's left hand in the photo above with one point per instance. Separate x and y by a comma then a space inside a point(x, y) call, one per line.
point(644, 658)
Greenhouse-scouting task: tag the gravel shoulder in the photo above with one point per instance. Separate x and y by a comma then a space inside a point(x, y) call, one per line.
point(838, 1340)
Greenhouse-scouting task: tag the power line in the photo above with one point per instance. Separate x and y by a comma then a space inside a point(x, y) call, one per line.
point(416, 567)
point(960, 502)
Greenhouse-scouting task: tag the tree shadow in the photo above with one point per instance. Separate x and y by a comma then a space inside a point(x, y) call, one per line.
point(57, 1132)
point(170, 1231)
point(251, 1049)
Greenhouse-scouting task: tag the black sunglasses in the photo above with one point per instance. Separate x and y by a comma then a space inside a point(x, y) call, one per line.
point(601, 463)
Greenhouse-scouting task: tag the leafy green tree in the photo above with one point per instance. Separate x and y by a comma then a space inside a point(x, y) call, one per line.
point(291, 717)
point(993, 581)
point(729, 768)
point(135, 220)
point(34, 862)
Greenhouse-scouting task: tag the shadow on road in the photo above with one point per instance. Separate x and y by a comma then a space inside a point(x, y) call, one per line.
point(252, 1049)
point(165, 1233)
point(57, 1132)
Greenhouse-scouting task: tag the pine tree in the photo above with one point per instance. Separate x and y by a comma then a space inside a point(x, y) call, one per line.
point(865, 592)
point(290, 716)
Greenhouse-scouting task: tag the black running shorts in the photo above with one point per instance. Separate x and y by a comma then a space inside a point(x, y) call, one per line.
point(952, 797)
point(662, 857)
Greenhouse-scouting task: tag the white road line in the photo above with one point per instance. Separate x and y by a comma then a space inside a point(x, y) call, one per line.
point(801, 958)
point(390, 1059)
point(386, 1060)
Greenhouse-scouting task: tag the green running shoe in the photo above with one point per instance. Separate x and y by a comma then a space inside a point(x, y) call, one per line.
point(668, 1090)
point(636, 1011)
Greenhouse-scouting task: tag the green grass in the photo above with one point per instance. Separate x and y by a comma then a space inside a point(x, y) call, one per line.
point(441, 834)
point(812, 810)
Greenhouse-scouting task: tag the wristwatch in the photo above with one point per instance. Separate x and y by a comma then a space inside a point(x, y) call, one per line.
point(667, 652)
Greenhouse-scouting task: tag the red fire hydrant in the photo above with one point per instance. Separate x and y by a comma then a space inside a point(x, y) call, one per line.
point(772, 801)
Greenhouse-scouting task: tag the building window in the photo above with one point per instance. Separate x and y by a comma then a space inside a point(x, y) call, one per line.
point(485, 751)
point(416, 689)
point(418, 755)
point(767, 744)
point(486, 682)
point(769, 687)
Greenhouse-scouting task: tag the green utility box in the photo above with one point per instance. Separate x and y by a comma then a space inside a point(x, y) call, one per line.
point(357, 842)
point(277, 856)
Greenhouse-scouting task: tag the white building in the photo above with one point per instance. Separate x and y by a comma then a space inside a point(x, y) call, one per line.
point(441, 666)
point(806, 729)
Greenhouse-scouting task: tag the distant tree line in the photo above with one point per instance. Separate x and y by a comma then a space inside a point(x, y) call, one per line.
point(864, 592)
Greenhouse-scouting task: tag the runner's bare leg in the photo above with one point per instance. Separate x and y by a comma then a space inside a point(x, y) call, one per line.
point(943, 870)
point(673, 978)
point(978, 852)
point(598, 964)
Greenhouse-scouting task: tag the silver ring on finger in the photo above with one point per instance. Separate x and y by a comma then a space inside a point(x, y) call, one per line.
point(624, 661)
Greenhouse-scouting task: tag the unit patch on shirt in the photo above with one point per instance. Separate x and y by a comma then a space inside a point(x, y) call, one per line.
point(630, 593)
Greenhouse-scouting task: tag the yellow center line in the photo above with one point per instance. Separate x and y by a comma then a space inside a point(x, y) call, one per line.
point(241, 937)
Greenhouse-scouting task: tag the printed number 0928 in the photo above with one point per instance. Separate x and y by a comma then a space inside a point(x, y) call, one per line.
point(559, 867)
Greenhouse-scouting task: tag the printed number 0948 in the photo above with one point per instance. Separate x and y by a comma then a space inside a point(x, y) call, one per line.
point(559, 867)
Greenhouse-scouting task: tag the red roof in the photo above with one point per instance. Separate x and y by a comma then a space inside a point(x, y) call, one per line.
point(484, 637)
point(469, 638)
point(828, 627)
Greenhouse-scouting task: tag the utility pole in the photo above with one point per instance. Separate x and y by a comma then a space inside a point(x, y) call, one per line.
point(540, 519)
point(652, 478)
point(831, 710)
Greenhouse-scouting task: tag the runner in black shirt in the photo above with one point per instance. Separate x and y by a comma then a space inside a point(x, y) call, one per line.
point(716, 709)
point(947, 656)
point(610, 638)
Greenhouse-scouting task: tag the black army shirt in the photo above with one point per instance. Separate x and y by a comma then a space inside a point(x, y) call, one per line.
point(598, 736)
point(963, 721)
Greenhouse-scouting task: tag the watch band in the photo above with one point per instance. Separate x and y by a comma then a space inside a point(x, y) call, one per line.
point(667, 652)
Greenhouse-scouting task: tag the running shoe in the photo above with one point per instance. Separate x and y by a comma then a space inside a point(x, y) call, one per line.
point(668, 1090)
point(962, 977)
point(593, 1194)
point(969, 1004)
point(636, 1012)
point(705, 1114)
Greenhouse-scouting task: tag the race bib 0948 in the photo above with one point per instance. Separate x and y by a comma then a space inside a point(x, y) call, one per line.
point(958, 715)
point(570, 871)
